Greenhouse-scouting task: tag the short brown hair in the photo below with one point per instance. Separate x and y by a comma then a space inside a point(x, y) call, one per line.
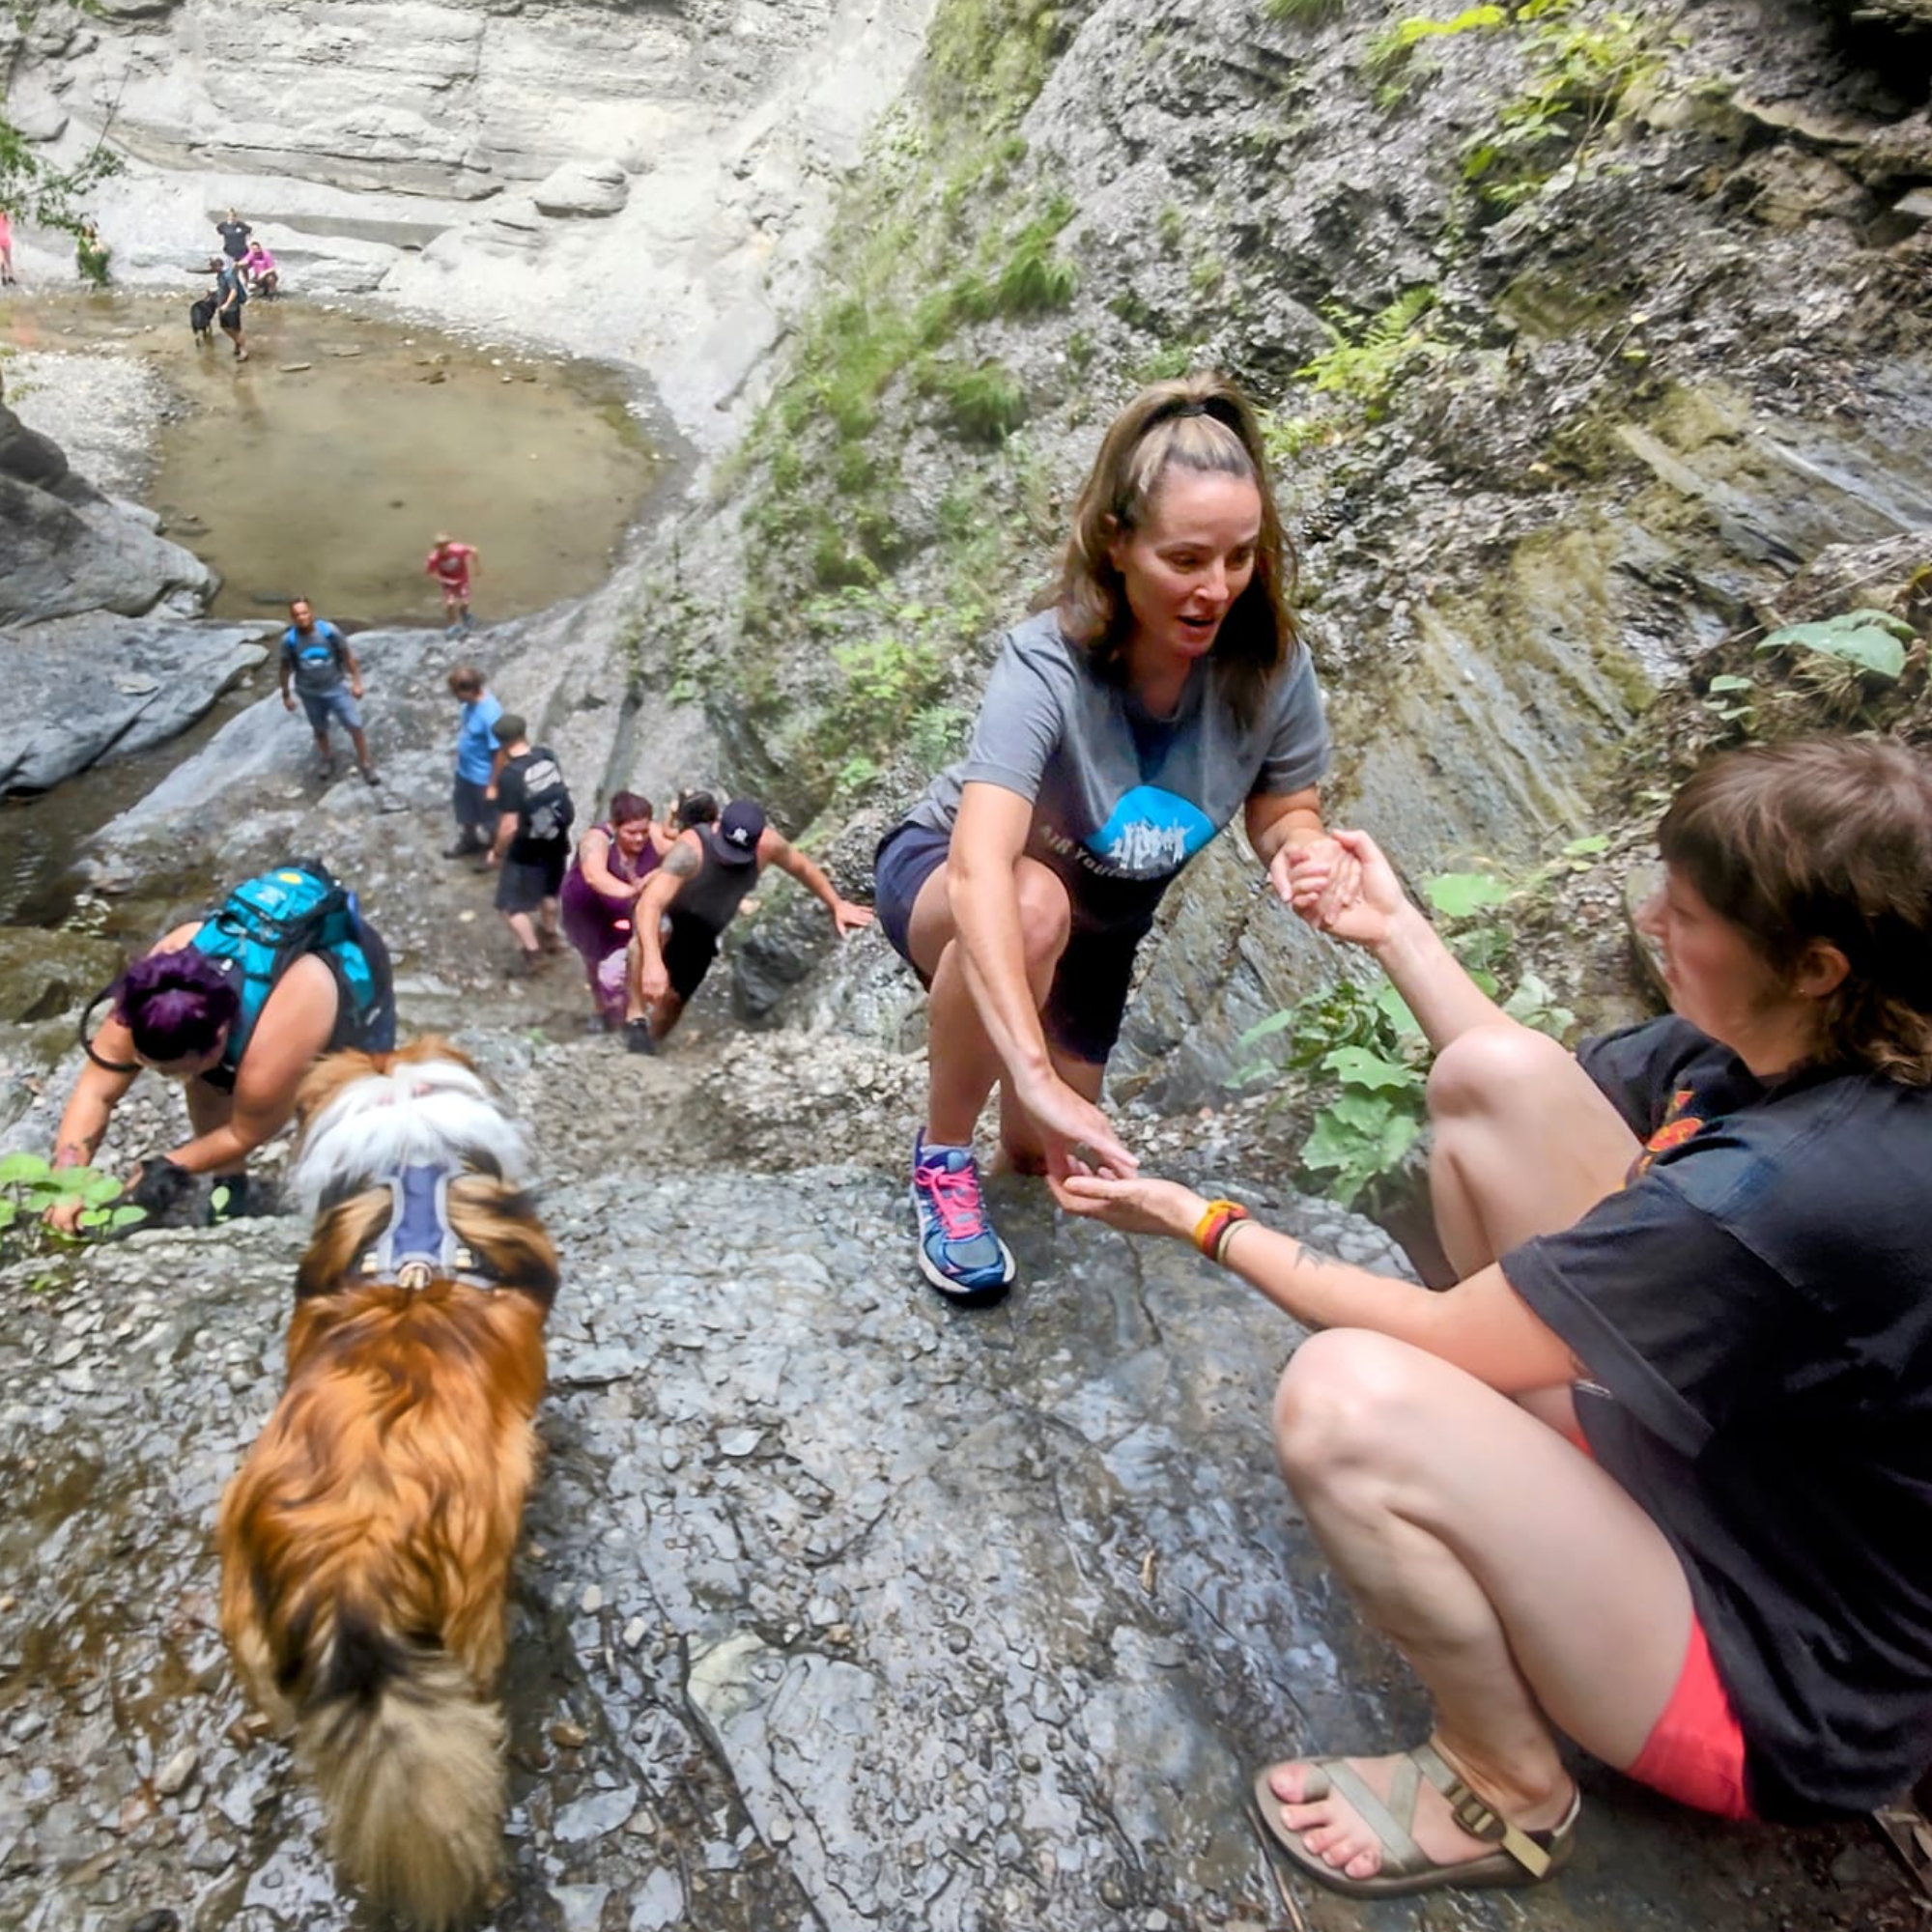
point(465, 677)
point(1201, 422)
point(1826, 839)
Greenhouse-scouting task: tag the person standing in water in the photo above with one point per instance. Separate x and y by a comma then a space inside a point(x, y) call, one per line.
point(1164, 689)
point(452, 564)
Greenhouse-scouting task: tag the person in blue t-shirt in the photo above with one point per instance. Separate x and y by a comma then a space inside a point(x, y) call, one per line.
point(1655, 1472)
point(316, 659)
point(480, 758)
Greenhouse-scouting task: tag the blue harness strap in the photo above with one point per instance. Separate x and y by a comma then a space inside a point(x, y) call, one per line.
point(419, 1246)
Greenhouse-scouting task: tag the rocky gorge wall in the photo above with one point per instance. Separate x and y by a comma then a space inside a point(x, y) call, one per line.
point(636, 182)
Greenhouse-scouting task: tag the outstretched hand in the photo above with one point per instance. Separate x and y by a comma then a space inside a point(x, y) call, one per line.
point(1134, 1204)
point(1077, 1137)
point(1324, 859)
point(1363, 917)
point(850, 918)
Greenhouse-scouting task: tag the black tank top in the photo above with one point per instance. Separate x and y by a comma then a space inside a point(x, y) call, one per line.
point(711, 896)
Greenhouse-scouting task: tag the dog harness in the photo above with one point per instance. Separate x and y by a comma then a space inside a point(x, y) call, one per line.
point(419, 1246)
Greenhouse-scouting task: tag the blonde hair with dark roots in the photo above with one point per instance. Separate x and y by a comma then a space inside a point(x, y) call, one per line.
point(1204, 423)
point(1826, 839)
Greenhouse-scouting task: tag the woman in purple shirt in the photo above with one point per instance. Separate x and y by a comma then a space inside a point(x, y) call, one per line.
point(600, 893)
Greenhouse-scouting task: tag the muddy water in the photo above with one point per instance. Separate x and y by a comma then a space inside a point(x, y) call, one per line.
point(324, 464)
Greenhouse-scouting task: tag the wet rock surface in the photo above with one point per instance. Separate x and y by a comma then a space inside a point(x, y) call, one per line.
point(838, 1608)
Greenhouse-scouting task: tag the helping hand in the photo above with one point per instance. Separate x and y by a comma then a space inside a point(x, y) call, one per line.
point(1077, 1137)
point(1366, 917)
point(653, 984)
point(1139, 1205)
point(64, 1217)
point(849, 917)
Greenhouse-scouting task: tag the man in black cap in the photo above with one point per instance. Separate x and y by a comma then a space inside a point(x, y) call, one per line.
point(692, 897)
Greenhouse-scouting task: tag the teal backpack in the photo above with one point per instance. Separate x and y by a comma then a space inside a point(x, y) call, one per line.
point(269, 922)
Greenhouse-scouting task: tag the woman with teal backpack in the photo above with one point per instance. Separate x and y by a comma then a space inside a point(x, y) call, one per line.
point(238, 1006)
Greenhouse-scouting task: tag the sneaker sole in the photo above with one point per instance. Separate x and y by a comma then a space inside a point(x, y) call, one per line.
point(954, 1291)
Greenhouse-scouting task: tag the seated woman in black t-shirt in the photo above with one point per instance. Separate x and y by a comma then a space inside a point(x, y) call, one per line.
point(1657, 1473)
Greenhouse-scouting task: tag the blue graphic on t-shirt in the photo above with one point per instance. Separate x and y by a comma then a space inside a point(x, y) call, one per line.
point(1150, 832)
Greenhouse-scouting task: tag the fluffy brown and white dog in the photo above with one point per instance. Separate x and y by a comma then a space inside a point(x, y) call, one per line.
point(366, 1540)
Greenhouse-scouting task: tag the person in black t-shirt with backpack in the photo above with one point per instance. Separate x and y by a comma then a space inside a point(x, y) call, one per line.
point(531, 848)
point(1656, 1470)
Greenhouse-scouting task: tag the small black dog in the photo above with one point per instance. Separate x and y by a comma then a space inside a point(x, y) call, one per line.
point(201, 318)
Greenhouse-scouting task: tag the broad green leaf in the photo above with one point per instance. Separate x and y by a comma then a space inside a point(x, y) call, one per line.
point(16, 1168)
point(125, 1218)
point(1871, 640)
point(1586, 848)
point(1357, 1066)
point(1458, 894)
point(1261, 1028)
point(1730, 683)
point(8, 1212)
point(1394, 1008)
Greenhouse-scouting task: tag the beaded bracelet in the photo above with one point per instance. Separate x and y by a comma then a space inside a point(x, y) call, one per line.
point(1211, 1230)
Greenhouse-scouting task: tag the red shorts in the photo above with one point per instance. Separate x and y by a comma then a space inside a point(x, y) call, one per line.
point(1695, 1751)
point(455, 588)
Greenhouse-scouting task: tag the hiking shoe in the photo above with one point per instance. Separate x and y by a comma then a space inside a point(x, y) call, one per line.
point(958, 1252)
point(369, 776)
point(464, 848)
point(637, 1037)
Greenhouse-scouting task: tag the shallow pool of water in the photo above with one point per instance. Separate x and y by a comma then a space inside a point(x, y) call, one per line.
point(324, 464)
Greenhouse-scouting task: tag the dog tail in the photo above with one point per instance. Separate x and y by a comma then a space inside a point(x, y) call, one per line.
point(408, 1763)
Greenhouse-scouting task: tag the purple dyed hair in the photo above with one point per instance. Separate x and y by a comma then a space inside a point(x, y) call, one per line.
point(175, 1004)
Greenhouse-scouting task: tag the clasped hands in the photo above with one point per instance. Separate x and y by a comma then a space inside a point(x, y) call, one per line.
point(1342, 885)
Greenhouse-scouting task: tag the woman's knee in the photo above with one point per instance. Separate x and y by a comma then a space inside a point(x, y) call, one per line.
point(1340, 1404)
point(1047, 914)
point(1490, 1069)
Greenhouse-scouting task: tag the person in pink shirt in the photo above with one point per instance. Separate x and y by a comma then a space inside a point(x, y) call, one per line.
point(451, 563)
point(6, 249)
point(259, 265)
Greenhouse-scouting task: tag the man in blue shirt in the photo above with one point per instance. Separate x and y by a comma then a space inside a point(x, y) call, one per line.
point(317, 659)
point(478, 759)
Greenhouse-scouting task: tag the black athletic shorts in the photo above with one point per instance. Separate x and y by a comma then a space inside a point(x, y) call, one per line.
point(1083, 1011)
point(689, 949)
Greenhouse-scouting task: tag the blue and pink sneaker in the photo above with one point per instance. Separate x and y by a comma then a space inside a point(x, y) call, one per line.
point(958, 1252)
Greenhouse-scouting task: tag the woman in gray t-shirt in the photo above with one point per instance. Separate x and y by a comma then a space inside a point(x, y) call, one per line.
point(1165, 689)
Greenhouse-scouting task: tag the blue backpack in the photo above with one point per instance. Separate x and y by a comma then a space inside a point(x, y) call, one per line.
point(268, 922)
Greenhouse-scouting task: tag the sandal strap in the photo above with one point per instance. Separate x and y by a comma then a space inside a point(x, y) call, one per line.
point(1476, 1815)
point(1401, 1852)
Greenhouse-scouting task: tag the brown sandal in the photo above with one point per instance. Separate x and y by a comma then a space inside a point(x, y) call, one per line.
point(1522, 1858)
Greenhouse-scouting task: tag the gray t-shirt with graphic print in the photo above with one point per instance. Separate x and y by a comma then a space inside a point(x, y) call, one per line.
point(1121, 799)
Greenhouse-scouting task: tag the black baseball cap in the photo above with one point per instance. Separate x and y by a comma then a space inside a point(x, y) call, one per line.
point(740, 827)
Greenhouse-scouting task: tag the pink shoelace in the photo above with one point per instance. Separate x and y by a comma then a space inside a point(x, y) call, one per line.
point(955, 1199)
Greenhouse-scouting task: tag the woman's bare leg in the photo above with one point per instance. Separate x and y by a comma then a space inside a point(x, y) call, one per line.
point(1514, 1575)
point(1523, 1143)
point(961, 1065)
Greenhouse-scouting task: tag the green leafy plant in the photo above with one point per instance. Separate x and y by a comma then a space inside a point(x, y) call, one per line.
point(1389, 54)
point(1366, 1057)
point(1579, 71)
point(1366, 358)
point(29, 1186)
point(984, 402)
point(1841, 664)
point(1869, 640)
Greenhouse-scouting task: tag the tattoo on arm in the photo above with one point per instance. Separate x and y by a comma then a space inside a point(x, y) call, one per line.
point(680, 862)
point(77, 1154)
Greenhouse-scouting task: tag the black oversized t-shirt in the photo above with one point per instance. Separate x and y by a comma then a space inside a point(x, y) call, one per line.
point(531, 776)
point(233, 238)
point(1753, 1312)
